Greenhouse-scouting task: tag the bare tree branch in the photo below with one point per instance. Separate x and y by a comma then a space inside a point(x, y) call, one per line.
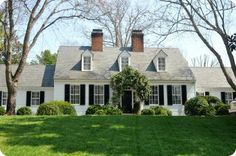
point(201, 17)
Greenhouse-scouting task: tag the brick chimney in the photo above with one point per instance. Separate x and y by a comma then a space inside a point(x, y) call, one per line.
point(137, 41)
point(97, 40)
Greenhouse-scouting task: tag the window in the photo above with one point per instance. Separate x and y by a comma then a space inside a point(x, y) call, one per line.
point(228, 97)
point(75, 94)
point(4, 98)
point(35, 98)
point(161, 64)
point(124, 62)
point(87, 63)
point(200, 93)
point(98, 94)
point(176, 95)
point(153, 98)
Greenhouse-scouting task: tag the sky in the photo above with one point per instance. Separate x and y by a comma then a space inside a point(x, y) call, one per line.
point(72, 33)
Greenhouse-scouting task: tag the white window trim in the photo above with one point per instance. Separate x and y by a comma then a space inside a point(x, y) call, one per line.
point(103, 94)
point(75, 94)
point(158, 64)
point(229, 100)
point(3, 92)
point(120, 61)
point(31, 100)
point(91, 64)
point(177, 94)
point(155, 104)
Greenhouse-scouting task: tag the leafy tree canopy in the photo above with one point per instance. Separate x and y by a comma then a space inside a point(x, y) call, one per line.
point(46, 57)
point(130, 78)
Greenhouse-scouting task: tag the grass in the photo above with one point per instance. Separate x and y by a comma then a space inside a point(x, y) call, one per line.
point(117, 135)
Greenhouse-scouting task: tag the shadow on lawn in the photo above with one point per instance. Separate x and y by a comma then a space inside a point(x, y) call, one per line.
point(71, 134)
point(111, 135)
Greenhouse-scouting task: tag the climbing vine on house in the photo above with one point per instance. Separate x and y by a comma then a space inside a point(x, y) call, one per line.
point(130, 78)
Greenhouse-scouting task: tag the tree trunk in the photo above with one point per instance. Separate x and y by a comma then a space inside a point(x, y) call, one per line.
point(11, 100)
point(12, 89)
point(141, 103)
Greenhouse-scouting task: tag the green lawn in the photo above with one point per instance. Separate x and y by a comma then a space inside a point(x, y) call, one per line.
point(117, 135)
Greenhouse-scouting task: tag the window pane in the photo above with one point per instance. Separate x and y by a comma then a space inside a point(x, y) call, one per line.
point(87, 63)
point(4, 95)
point(4, 98)
point(176, 95)
point(228, 97)
point(124, 62)
point(75, 94)
point(35, 98)
point(153, 98)
point(4, 101)
point(99, 94)
point(161, 64)
point(35, 94)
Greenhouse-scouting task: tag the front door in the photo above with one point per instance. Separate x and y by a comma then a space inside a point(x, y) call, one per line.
point(127, 102)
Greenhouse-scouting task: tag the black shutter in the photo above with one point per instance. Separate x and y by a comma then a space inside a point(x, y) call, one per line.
point(82, 94)
point(184, 94)
point(0, 98)
point(223, 97)
point(28, 98)
point(207, 93)
point(106, 94)
point(42, 97)
point(67, 92)
point(234, 95)
point(161, 95)
point(91, 94)
point(169, 94)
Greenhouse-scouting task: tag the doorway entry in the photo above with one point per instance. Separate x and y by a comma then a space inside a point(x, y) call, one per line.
point(127, 101)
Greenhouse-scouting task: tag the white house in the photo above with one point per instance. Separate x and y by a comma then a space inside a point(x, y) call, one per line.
point(35, 86)
point(82, 76)
point(211, 81)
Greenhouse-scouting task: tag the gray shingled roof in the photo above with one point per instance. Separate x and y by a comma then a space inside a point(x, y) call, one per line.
point(105, 64)
point(32, 76)
point(210, 77)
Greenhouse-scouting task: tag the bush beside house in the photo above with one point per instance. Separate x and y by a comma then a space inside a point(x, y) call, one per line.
point(56, 108)
point(159, 111)
point(48, 109)
point(24, 111)
point(222, 109)
point(148, 112)
point(65, 108)
point(205, 105)
point(92, 109)
point(2, 110)
point(196, 106)
point(103, 110)
point(212, 100)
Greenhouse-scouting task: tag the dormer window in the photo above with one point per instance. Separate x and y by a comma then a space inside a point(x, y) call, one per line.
point(160, 61)
point(161, 64)
point(87, 61)
point(124, 60)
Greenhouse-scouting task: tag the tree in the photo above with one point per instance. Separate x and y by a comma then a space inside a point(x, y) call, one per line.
point(204, 18)
point(17, 46)
point(204, 61)
point(30, 18)
point(46, 57)
point(130, 78)
point(119, 19)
